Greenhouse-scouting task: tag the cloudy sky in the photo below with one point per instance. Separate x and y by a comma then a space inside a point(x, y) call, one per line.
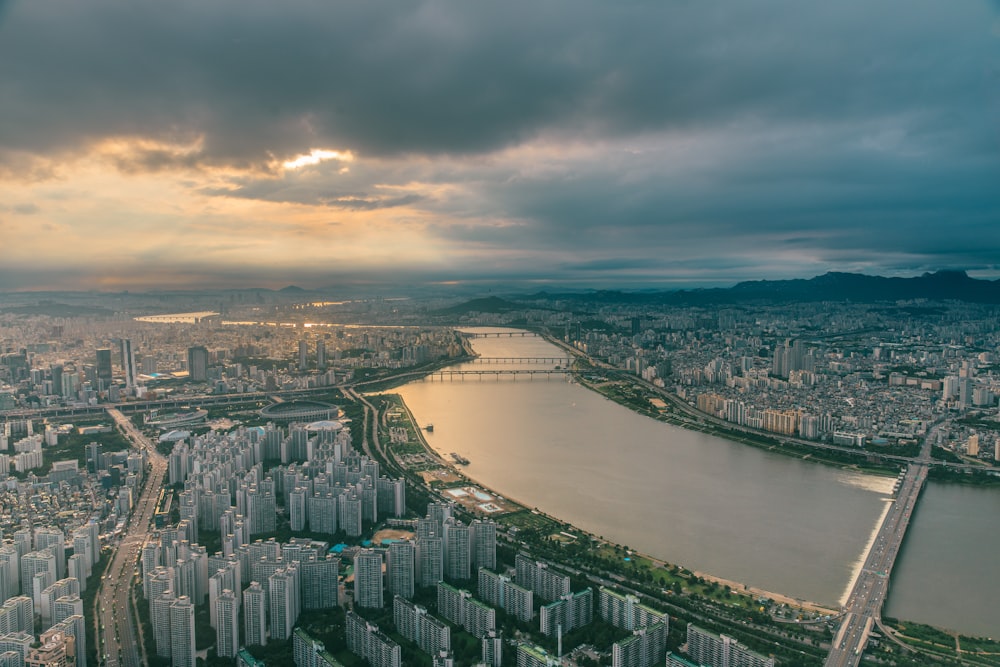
point(236, 142)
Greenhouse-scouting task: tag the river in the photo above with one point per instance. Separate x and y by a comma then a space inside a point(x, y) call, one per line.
point(693, 499)
point(946, 574)
point(697, 500)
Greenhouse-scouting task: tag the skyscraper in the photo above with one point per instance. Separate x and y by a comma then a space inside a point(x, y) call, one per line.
point(198, 363)
point(104, 372)
point(303, 355)
point(128, 363)
point(321, 354)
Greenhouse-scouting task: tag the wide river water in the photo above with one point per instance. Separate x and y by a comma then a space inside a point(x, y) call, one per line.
point(700, 501)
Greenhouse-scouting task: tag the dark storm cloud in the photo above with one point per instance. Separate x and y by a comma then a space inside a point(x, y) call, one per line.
point(662, 137)
point(388, 77)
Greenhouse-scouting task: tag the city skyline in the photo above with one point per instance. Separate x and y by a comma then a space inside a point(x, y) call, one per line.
point(587, 145)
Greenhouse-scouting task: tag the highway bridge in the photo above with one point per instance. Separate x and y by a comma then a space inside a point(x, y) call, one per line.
point(520, 360)
point(864, 606)
point(498, 373)
point(501, 334)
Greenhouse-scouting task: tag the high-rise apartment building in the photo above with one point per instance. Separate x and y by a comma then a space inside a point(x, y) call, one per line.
point(227, 629)
point(712, 650)
point(400, 568)
point(182, 653)
point(571, 611)
point(645, 648)
point(255, 615)
point(368, 578)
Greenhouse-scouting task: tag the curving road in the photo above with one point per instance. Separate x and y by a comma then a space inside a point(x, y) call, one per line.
point(116, 637)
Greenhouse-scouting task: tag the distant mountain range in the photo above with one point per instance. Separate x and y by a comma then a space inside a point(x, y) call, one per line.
point(833, 286)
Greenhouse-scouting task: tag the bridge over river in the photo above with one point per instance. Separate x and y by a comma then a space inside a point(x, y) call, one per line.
point(864, 606)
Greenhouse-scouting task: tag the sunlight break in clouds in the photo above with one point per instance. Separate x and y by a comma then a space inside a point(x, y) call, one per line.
point(316, 156)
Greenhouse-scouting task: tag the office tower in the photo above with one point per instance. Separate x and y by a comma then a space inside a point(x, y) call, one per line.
point(104, 372)
point(368, 578)
point(197, 359)
point(227, 631)
point(569, 612)
point(484, 544)
point(645, 648)
point(56, 371)
point(303, 355)
point(255, 615)
point(714, 650)
point(413, 622)
point(321, 354)
point(400, 568)
point(128, 363)
point(365, 640)
point(319, 583)
point(283, 594)
point(457, 551)
point(182, 652)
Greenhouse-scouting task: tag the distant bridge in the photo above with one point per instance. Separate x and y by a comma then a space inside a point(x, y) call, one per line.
point(502, 334)
point(497, 374)
point(521, 360)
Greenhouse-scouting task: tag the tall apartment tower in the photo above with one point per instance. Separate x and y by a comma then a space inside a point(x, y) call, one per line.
point(182, 653)
point(128, 363)
point(283, 598)
point(198, 363)
point(368, 578)
point(227, 630)
point(400, 568)
point(457, 552)
point(255, 614)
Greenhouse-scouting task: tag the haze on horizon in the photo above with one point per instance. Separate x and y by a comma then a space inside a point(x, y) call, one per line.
point(584, 143)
